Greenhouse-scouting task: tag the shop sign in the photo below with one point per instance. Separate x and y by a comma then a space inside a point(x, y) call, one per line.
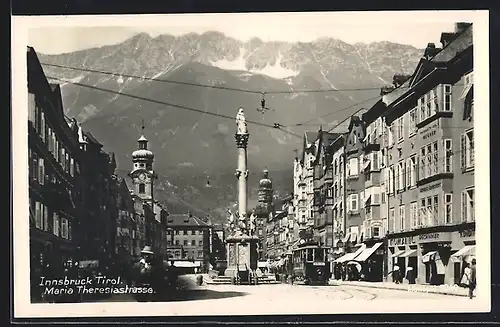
point(401, 241)
point(319, 263)
point(429, 131)
point(467, 233)
point(430, 187)
point(434, 237)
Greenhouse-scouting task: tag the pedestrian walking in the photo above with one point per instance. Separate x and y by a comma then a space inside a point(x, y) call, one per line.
point(470, 277)
point(396, 274)
point(410, 275)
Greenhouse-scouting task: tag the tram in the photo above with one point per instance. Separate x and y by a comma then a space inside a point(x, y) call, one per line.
point(310, 266)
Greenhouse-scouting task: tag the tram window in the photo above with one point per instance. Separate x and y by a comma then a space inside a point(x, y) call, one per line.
point(319, 255)
point(309, 255)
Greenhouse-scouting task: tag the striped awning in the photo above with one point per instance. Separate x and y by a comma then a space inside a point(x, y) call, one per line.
point(397, 253)
point(368, 252)
point(410, 253)
point(352, 255)
point(464, 252)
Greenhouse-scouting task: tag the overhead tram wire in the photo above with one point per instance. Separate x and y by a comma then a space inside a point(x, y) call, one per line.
point(210, 86)
point(336, 111)
point(275, 126)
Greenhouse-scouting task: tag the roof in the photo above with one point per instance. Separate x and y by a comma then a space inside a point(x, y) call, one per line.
point(459, 44)
point(185, 220)
point(91, 138)
point(396, 93)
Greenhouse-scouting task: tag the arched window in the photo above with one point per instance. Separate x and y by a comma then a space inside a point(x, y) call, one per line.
point(142, 188)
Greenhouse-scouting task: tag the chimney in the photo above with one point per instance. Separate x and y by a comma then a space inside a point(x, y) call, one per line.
point(399, 79)
point(447, 38)
point(430, 51)
point(386, 89)
point(461, 26)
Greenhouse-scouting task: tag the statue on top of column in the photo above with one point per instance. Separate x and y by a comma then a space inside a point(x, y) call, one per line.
point(241, 122)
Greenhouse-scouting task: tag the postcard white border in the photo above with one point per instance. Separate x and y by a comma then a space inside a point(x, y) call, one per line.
point(24, 309)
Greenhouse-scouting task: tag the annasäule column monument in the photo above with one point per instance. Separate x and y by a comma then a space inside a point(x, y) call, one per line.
point(241, 244)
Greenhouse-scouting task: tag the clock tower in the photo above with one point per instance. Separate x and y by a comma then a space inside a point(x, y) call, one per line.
point(142, 174)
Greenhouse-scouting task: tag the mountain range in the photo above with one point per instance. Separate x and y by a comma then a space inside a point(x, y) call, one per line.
point(197, 82)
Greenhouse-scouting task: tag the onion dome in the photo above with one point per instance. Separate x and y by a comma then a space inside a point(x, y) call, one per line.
point(142, 152)
point(266, 182)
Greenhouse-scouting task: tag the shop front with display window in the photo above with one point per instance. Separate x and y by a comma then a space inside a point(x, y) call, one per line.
point(437, 255)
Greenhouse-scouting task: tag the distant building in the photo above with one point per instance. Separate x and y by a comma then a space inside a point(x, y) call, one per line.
point(262, 211)
point(189, 236)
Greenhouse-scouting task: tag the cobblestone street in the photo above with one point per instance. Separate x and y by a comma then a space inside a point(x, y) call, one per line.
point(290, 299)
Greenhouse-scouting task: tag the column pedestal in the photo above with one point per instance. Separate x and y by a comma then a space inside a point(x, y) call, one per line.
point(241, 257)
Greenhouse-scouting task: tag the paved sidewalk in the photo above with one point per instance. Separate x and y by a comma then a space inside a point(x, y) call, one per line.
point(441, 289)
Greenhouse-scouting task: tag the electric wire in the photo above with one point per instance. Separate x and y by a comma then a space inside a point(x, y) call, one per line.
point(275, 126)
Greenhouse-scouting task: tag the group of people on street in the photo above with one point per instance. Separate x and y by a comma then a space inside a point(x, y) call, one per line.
point(398, 277)
point(468, 279)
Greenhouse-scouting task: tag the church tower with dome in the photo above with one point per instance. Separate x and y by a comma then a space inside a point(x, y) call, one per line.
point(142, 174)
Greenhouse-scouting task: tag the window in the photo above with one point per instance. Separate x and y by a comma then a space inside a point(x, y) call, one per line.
point(375, 161)
point(392, 219)
point(435, 212)
point(468, 205)
point(413, 122)
point(41, 171)
point(176, 232)
point(38, 215)
point(429, 160)
point(72, 167)
point(422, 218)
point(401, 218)
point(448, 156)
point(437, 99)
point(56, 225)
point(185, 242)
point(64, 228)
point(193, 242)
point(447, 97)
point(177, 242)
point(414, 214)
point(376, 231)
point(448, 208)
point(391, 180)
point(467, 150)
point(411, 171)
point(353, 202)
point(429, 212)
point(400, 129)
point(390, 135)
point(400, 179)
point(353, 167)
point(142, 188)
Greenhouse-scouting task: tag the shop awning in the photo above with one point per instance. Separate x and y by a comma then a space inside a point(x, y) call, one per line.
point(463, 252)
point(368, 252)
point(398, 253)
point(350, 256)
point(409, 253)
point(429, 256)
point(187, 264)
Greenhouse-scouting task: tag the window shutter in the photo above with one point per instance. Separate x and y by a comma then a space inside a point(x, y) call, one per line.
point(463, 151)
point(46, 218)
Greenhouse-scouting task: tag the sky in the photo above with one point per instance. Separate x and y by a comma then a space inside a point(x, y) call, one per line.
point(54, 35)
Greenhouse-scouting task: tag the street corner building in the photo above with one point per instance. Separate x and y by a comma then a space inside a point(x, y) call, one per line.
point(397, 188)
